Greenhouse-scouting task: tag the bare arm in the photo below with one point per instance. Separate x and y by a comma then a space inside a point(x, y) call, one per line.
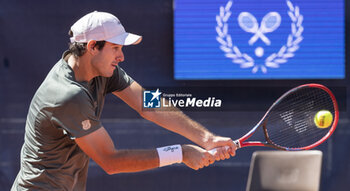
point(176, 121)
point(99, 146)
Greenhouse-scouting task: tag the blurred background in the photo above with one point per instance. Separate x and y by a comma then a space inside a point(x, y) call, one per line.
point(34, 34)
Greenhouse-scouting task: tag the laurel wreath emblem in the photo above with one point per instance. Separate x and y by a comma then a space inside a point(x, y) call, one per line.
point(272, 61)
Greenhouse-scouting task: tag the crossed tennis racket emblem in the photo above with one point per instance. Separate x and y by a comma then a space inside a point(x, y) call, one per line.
point(269, 23)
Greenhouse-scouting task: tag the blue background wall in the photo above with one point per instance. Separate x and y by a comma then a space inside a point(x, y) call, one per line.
point(198, 56)
point(33, 35)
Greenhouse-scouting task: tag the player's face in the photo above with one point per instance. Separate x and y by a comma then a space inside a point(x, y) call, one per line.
point(108, 58)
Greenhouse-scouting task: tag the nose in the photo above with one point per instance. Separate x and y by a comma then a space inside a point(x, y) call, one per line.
point(120, 57)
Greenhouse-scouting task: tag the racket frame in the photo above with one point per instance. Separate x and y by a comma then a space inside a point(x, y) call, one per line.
point(241, 142)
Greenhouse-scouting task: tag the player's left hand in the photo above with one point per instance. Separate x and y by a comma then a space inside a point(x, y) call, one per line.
point(225, 148)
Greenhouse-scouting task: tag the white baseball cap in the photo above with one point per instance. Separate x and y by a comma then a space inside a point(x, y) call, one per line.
point(102, 26)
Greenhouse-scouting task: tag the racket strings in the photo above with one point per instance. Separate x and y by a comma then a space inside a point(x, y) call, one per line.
point(301, 135)
point(291, 120)
point(300, 125)
point(292, 141)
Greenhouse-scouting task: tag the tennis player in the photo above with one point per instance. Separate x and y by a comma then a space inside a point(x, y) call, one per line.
point(63, 128)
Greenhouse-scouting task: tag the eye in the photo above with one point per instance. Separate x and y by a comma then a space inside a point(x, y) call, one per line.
point(116, 47)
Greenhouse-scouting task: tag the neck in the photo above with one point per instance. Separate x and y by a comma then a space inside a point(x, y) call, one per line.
point(82, 68)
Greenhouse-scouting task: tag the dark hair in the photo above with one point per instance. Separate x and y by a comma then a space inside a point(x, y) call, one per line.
point(79, 48)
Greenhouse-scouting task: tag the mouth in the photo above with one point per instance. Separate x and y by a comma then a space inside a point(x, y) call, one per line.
point(114, 64)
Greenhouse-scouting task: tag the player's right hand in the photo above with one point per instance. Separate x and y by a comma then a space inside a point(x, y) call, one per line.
point(195, 157)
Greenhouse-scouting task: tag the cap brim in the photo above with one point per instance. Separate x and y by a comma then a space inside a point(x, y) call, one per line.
point(126, 39)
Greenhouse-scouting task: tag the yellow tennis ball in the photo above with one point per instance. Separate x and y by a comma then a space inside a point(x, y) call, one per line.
point(323, 119)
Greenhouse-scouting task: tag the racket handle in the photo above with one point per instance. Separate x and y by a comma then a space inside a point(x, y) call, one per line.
point(213, 151)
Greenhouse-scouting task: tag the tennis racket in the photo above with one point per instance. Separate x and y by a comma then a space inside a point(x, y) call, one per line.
point(289, 123)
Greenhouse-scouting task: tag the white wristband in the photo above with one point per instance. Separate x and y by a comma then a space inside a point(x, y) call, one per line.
point(169, 155)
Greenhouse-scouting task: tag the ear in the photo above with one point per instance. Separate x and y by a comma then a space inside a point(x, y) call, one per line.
point(91, 47)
